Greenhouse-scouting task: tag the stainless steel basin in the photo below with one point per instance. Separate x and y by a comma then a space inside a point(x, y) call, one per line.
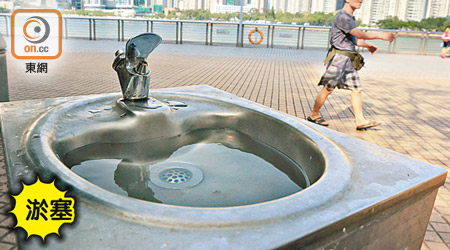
point(125, 153)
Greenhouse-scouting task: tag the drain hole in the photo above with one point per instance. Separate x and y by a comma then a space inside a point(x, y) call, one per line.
point(175, 175)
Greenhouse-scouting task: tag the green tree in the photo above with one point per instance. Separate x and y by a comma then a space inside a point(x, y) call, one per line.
point(4, 10)
point(391, 23)
point(425, 24)
point(270, 15)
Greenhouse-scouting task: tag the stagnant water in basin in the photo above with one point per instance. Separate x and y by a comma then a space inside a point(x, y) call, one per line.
point(202, 168)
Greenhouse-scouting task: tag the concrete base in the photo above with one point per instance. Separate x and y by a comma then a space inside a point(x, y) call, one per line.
point(400, 226)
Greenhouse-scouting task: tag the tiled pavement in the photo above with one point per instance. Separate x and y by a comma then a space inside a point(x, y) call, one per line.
point(407, 93)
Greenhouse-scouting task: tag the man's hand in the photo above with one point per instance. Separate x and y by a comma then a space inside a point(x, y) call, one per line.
point(388, 37)
point(372, 48)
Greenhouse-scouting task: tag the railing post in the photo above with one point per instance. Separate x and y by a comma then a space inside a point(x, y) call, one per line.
point(242, 35)
point(206, 42)
point(93, 23)
point(118, 30)
point(426, 43)
point(4, 94)
point(395, 42)
point(328, 40)
point(268, 36)
point(298, 37)
point(147, 26)
point(6, 23)
point(211, 35)
point(90, 29)
point(273, 32)
point(181, 33)
point(303, 37)
point(389, 48)
point(65, 28)
point(421, 43)
point(151, 26)
point(237, 33)
point(176, 36)
point(123, 31)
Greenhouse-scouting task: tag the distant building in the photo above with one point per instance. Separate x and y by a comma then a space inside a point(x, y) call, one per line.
point(220, 8)
point(325, 6)
point(312, 6)
point(7, 4)
point(33, 3)
point(415, 10)
point(279, 5)
point(437, 8)
point(127, 4)
point(77, 4)
point(260, 4)
point(58, 4)
point(371, 11)
point(94, 4)
point(54, 4)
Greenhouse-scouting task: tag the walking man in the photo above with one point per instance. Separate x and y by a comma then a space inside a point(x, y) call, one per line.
point(343, 62)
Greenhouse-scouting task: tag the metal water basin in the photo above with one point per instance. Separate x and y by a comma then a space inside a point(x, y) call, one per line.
point(182, 149)
point(198, 168)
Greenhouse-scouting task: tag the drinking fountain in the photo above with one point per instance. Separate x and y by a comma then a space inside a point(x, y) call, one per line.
point(197, 168)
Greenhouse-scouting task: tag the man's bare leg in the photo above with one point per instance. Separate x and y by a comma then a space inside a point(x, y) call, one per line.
point(360, 120)
point(318, 103)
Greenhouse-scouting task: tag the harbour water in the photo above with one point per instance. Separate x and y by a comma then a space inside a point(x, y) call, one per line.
point(227, 33)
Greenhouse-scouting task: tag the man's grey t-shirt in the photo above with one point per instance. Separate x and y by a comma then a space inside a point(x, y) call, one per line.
point(340, 37)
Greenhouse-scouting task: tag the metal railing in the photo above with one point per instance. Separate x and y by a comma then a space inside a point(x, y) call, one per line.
point(227, 33)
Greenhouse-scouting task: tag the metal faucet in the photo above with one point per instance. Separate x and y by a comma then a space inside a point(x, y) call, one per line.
point(132, 68)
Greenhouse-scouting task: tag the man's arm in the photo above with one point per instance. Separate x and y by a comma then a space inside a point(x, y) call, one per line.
point(371, 35)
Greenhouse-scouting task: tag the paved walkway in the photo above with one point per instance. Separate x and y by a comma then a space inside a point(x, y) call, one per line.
point(407, 93)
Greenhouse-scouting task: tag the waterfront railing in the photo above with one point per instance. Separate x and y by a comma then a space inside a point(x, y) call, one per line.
point(227, 33)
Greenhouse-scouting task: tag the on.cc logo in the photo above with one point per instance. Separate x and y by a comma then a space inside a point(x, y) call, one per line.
point(36, 30)
point(36, 34)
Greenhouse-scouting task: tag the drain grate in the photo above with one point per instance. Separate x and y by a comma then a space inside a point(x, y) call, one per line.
point(174, 175)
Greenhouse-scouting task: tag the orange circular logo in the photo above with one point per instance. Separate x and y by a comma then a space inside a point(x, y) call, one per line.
point(36, 29)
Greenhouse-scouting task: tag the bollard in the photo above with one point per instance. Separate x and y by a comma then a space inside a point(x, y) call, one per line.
point(4, 95)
